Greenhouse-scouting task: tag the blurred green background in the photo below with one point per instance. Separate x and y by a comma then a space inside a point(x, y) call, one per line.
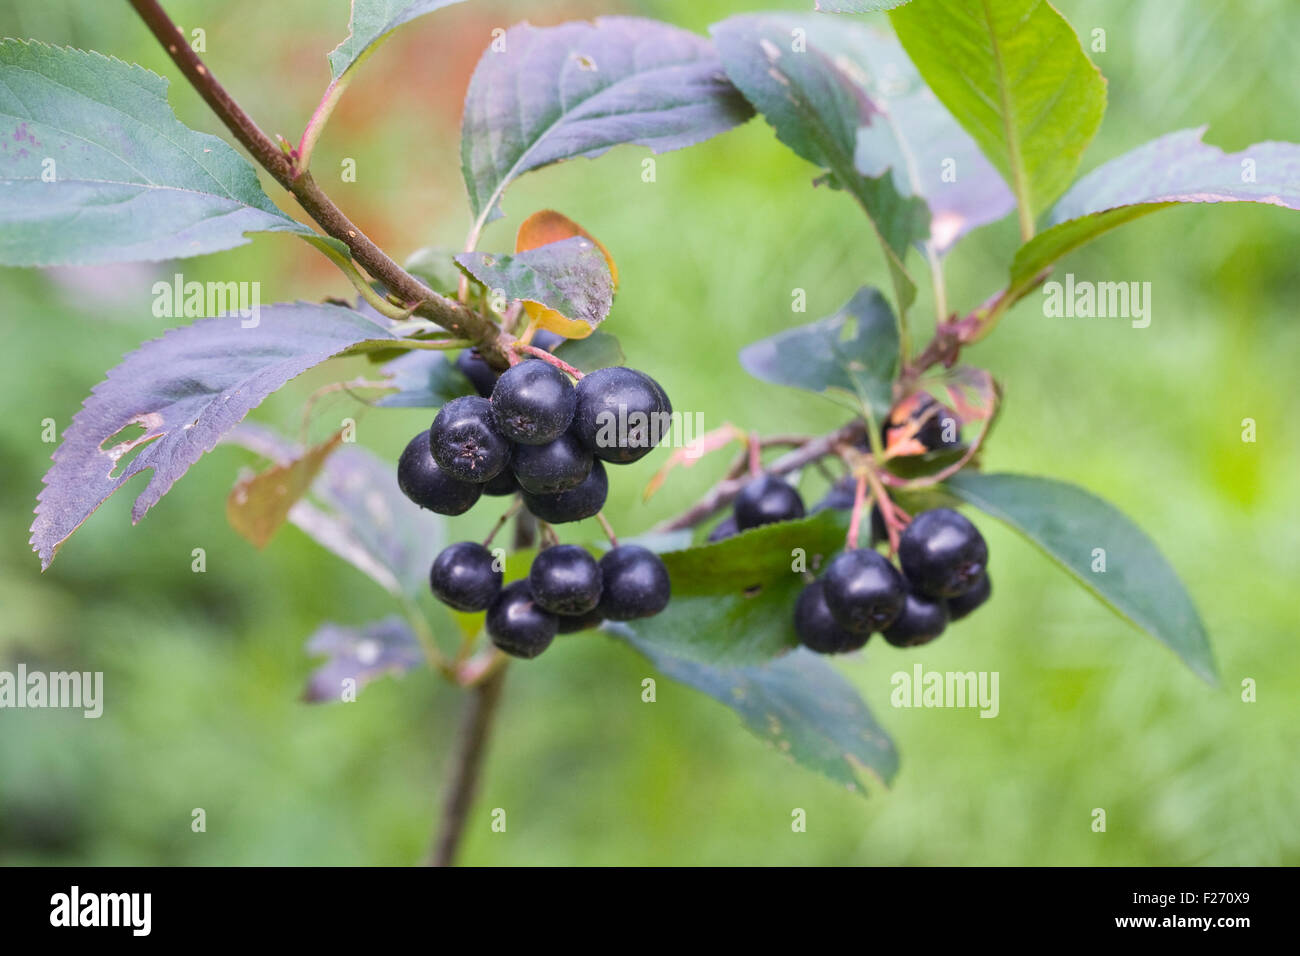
point(203, 671)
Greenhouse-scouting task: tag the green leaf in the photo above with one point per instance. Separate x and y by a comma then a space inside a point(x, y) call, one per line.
point(1174, 169)
point(1014, 74)
point(436, 266)
point(1067, 523)
point(857, 6)
point(597, 350)
point(851, 357)
point(815, 98)
point(570, 276)
point(98, 169)
point(733, 601)
point(423, 379)
point(800, 705)
point(371, 23)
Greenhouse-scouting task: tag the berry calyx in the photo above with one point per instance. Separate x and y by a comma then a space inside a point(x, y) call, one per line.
point(863, 591)
point(565, 579)
point(421, 480)
point(577, 503)
point(766, 500)
point(464, 576)
point(817, 627)
point(533, 403)
point(464, 442)
point(636, 583)
point(517, 625)
point(942, 553)
point(921, 621)
point(964, 604)
point(621, 414)
point(554, 467)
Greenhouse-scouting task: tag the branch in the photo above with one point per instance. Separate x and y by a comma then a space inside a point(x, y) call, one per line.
point(451, 315)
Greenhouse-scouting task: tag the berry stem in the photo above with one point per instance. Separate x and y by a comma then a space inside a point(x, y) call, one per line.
point(888, 510)
point(501, 522)
point(755, 458)
point(859, 499)
point(545, 356)
point(607, 528)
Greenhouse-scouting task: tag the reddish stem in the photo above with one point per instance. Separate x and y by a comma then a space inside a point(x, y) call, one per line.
point(546, 356)
point(855, 522)
point(755, 459)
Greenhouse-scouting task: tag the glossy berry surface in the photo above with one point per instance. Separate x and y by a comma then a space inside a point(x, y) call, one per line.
point(421, 480)
point(817, 628)
point(503, 484)
point(964, 604)
point(463, 576)
point(533, 403)
point(636, 583)
point(475, 368)
point(921, 621)
point(621, 414)
point(576, 503)
point(465, 443)
point(766, 500)
point(942, 553)
point(724, 529)
point(583, 622)
point(565, 579)
point(554, 467)
point(863, 591)
point(517, 625)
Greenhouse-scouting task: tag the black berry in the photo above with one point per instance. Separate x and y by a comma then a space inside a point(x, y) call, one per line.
point(480, 374)
point(421, 480)
point(464, 442)
point(635, 583)
point(942, 554)
point(921, 621)
point(503, 484)
point(584, 622)
point(817, 628)
point(533, 403)
point(963, 604)
point(621, 414)
point(576, 503)
point(517, 625)
point(726, 528)
point(565, 579)
point(765, 500)
point(547, 340)
point(936, 426)
point(863, 591)
point(464, 576)
point(554, 467)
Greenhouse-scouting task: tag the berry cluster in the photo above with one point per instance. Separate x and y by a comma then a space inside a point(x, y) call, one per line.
point(531, 431)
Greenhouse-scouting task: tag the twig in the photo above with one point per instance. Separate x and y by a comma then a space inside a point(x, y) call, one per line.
point(608, 529)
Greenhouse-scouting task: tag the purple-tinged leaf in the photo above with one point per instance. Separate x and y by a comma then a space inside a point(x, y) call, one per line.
point(179, 394)
point(796, 73)
point(570, 276)
point(358, 656)
point(371, 23)
point(545, 94)
point(857, 6)
point(423, 378)
point(917, 140)
point(1174, 169)
point(95, 167)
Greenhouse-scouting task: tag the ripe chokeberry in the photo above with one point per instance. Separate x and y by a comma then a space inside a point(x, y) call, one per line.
point(726, 528)
point(964, 604)
point(421, 480)
point(942, 553)
point(465, 443)
point(575, 504)
point(533, 403)
point(922, 619)
point(554, 467)
point(817, 627)
point(583, 622)
point(475, 368)
point(517, 624)
point(863, 590)
point(565, 579)
point(636, 583)
point(465, 576)
point(621, 414)
point(765, 500)
point(503, 484)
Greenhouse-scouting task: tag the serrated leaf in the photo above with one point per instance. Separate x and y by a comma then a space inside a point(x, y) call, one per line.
point(436, 266)
point(598, 350)
point(259, 504)
point(851, 356)
point(1067, 523)
point(570, 276)
point(1014, 74)
point(733, 601)
point(813, 93)
point(577, 89)
point(359, 656)
point(371, 23)
point(1174, 169)
point(423, 378)
point(800, 705)
point(183, 391)
point(129, 181)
